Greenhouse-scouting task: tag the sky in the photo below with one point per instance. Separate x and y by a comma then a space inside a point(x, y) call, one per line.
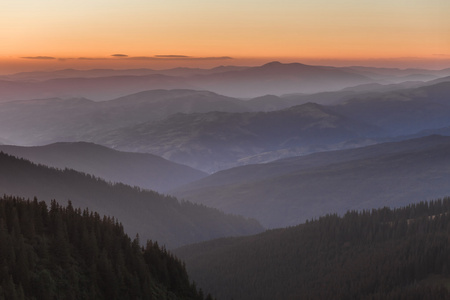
point(55, 34)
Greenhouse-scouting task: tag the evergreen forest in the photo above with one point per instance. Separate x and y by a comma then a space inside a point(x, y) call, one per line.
point(59, 252)
point(377, 254)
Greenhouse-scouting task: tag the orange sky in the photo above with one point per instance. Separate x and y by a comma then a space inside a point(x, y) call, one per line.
point(54, 34)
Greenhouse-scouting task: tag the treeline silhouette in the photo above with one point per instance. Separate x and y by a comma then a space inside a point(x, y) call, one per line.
point(384, 253)
point(61, 252)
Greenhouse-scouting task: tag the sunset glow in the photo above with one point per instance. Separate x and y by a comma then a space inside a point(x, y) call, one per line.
point(83, 34)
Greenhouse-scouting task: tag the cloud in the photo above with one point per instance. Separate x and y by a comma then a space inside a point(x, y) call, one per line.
point(172, 56)
point(178, 57)
point(38, 57)
point(119, 55)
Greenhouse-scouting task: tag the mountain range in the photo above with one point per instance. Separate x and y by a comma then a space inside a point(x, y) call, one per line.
point(242, 82)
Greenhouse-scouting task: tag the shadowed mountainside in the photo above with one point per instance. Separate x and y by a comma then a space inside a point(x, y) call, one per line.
point(136, 169)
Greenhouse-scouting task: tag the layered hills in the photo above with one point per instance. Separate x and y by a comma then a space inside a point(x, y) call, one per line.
point(287, 192)
point(213, 132)
point(152, 215)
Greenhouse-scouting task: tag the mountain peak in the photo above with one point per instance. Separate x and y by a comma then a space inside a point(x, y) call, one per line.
point(280, 64)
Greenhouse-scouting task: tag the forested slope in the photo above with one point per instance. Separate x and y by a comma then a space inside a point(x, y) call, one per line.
point(380, 254)
point(152, 215)
point(60, 252)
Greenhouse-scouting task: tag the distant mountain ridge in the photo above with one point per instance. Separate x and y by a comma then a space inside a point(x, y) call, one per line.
point(278, 78)
point(235, 81)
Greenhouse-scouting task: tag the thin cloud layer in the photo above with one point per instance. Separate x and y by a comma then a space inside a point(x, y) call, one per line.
point(38, 57)
point(126, 57)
